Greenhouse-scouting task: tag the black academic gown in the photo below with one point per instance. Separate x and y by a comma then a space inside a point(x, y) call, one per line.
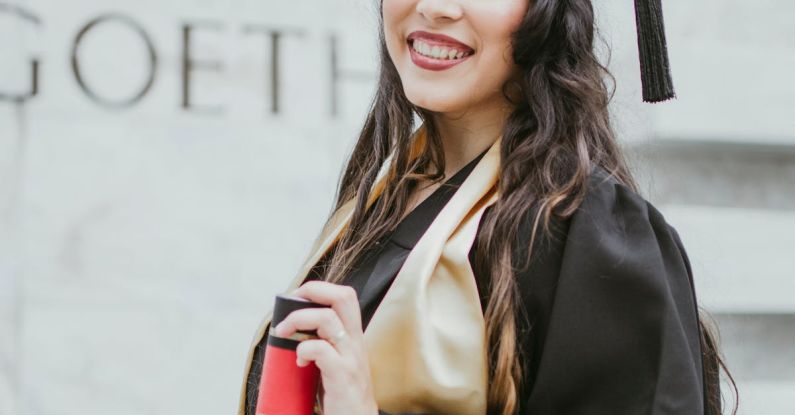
point(608, 317)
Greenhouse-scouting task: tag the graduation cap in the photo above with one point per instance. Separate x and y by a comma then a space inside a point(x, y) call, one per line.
point(655, 71)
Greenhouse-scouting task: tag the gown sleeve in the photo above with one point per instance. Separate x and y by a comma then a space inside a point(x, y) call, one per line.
point(617, 325)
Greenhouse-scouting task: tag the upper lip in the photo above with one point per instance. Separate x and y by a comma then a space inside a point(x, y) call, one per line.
point(420, 34)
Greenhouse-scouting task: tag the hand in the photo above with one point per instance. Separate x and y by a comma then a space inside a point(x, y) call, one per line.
point(344, 369)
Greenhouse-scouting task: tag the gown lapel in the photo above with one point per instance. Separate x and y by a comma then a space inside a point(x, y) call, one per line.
point(426, 339)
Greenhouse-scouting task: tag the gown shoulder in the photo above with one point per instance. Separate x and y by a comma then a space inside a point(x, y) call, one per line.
point(608, 319)
point(611, 315)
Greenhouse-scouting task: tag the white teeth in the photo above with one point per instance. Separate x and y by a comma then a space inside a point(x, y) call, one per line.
point(436, 51)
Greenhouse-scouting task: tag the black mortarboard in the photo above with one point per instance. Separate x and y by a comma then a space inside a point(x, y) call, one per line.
point(655, 71)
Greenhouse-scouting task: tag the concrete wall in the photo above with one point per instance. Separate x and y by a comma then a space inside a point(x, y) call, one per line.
point(142, 243)
point(720, 161)
point(173, 166)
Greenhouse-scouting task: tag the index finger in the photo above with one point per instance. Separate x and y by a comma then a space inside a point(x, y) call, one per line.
point(342, 299)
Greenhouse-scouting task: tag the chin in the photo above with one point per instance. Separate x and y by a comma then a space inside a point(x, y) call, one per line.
point(434, 100)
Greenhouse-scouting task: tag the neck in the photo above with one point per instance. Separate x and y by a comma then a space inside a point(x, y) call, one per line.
point(466, 134)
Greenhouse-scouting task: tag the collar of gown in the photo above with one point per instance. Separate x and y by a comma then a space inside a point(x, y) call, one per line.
point(426, 342)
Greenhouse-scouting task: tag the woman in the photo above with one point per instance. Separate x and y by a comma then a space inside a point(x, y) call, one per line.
point(498, 259)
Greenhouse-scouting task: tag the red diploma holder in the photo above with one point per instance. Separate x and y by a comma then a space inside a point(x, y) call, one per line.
point(285, 388)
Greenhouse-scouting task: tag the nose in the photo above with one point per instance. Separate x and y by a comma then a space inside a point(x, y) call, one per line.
point(434, 10)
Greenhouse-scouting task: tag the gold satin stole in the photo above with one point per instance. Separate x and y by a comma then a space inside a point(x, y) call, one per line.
point(426, 342)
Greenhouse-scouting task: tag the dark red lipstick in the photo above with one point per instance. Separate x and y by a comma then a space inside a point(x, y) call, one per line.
point(422, 45)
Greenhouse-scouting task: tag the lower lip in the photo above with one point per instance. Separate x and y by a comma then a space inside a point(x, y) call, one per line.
point(432, 64)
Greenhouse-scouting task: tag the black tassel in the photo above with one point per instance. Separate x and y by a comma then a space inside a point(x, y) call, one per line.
point(655, 71)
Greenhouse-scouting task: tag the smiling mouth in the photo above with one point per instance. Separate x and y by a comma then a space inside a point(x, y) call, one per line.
point(438, 51)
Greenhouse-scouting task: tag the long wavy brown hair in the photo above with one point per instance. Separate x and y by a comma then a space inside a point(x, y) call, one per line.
point(559, 128)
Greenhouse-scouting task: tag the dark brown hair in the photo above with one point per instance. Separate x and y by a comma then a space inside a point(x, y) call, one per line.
point(558, 130)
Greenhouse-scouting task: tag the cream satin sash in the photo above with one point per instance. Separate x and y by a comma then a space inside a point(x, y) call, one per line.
point(426, 341)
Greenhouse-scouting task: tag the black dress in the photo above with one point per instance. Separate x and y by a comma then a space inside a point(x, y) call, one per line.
point(608, 320)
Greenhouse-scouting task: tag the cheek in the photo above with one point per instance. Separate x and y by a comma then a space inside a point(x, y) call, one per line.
point(509, 13)
point(394, 11)
point(392, 8)
point(497, 23)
